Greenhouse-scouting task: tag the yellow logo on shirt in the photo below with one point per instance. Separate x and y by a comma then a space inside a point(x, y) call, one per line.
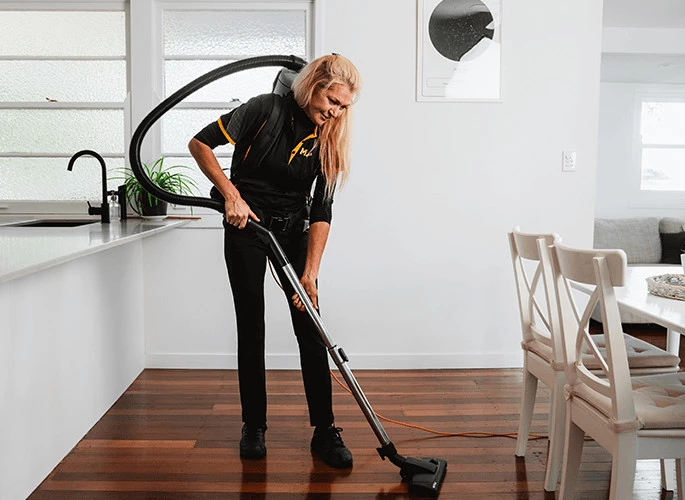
point(305, 152)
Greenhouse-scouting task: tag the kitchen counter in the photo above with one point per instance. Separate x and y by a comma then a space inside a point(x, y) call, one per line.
point(72, 331)
point(25, 250)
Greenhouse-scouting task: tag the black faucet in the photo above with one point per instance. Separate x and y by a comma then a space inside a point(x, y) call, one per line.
point(103, 210)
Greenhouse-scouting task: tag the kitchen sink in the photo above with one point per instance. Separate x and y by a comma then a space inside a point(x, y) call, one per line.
point(55, 223)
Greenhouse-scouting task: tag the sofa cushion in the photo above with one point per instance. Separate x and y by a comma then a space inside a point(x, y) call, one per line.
point(672, 245)
point(671, 225)
point(638, 237)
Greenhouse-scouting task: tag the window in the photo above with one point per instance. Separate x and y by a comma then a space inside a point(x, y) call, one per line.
point(660, 149)
point(662, 132)
point(198, 41)
point(63, 90)
point(81, 79)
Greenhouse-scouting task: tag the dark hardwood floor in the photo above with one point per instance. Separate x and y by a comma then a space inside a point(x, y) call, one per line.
point(174, 435)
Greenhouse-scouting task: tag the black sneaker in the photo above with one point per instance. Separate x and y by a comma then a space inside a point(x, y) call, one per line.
point(328, 444)
point(252, 444)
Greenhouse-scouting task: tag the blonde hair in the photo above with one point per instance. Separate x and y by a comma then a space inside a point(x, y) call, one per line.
point(334, 135)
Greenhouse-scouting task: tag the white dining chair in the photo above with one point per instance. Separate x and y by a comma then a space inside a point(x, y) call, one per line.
point(542, 346)
point(631, 417)
point(541, 343)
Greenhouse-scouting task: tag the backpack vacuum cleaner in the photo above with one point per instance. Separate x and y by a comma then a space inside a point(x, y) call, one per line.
point(424, 476)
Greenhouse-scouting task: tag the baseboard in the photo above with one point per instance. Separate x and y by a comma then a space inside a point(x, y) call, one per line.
point(228, 361)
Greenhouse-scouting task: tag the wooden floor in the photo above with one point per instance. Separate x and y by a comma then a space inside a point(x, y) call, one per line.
point(174, 435)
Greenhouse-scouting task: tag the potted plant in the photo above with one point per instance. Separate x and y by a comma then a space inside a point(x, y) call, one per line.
point(170, 178)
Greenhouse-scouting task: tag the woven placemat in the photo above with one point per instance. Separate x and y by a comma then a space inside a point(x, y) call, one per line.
point(671, 286)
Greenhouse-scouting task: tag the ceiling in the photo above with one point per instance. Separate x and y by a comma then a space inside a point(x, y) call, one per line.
point(644, 68)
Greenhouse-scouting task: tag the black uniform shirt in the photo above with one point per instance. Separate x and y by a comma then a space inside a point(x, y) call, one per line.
point(283, 181)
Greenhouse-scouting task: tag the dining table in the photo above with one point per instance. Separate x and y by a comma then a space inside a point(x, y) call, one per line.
point(635, 297)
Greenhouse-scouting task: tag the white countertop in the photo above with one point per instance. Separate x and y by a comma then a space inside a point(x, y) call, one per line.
point(25, 250)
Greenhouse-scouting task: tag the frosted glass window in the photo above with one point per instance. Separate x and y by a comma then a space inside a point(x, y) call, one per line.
point(203, 184)
point(50, 33)
point(180, 125)
point(64, 131)
point(196, 42)
point(49, 179)
point(50, 57)
point(663, 123)
point(63, 81)
point(241, 86)
point(244, 33)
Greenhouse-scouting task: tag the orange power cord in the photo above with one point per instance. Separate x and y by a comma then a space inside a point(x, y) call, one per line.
point(477, 434)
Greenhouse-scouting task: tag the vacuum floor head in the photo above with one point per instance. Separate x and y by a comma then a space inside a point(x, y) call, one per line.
point(424, 476)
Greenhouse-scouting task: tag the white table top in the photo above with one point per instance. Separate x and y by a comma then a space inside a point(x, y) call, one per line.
point(25, 250)
point(635, 297)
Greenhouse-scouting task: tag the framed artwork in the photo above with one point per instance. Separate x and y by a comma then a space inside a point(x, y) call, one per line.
point(458, 50)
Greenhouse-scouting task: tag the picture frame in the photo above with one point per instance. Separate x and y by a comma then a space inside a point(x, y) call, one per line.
point(459, 50)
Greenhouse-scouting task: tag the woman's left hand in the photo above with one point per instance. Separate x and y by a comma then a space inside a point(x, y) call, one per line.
point(309, 286)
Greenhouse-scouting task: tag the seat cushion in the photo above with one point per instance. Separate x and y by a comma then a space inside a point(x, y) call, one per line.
point(659, 400)
point(642, 356)
point(542, 347)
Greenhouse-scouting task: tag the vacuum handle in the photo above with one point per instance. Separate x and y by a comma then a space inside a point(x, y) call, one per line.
point(256, 226)
point(273, 243)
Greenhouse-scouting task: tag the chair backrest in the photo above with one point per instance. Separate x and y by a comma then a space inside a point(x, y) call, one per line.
point(605, 269)
point(534, 282)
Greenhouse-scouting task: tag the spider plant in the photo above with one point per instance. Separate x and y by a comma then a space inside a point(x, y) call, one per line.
point(170, 178)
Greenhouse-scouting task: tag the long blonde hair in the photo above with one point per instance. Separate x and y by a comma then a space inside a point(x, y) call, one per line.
point(334, 135)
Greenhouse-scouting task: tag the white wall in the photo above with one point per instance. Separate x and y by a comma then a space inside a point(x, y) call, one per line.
point(71, 343)
point(644, 40)
point(615, 155)
point(417, 270)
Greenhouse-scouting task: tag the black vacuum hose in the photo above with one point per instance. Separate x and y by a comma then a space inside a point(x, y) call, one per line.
point(291, 62)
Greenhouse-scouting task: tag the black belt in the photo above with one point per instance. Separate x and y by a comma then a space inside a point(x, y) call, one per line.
point(280, 223)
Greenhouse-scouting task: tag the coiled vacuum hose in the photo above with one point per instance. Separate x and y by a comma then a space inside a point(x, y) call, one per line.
point(291, 62)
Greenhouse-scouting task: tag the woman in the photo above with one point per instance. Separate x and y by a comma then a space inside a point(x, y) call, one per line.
point(272, 185)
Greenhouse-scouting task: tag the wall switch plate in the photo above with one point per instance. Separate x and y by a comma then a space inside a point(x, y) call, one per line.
point(568, 161)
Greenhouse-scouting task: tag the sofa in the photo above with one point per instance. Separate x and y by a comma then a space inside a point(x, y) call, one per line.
point(646, 241)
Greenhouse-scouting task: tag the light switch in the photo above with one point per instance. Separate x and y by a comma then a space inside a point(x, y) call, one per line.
point(568, 161)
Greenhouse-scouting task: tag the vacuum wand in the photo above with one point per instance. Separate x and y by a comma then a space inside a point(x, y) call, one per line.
point(424, 476)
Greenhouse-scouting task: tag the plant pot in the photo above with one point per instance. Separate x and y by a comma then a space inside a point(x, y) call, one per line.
point(156, 209)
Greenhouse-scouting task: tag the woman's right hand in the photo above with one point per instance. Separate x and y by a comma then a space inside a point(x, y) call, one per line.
point(237, 213)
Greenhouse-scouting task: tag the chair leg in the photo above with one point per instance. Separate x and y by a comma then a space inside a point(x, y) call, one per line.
point(530, 387)
point(556, 435)
point(668, 480)
point(573, 450)
point(623, 464)
point(673, 342)
point(680, 474)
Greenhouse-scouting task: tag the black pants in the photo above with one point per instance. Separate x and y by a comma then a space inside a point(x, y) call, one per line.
point(246, 252)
